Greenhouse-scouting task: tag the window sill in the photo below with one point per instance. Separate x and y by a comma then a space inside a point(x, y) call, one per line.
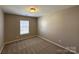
point(24, 34)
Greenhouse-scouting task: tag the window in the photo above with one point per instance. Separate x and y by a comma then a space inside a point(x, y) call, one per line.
point(24, 27)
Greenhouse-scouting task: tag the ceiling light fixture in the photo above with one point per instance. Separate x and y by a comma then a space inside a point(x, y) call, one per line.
point(33, 9)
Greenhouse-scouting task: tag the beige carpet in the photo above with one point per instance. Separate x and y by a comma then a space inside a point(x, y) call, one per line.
point(33, 46)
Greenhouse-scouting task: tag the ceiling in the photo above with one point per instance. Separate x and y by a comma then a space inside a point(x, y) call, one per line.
point(43, 9)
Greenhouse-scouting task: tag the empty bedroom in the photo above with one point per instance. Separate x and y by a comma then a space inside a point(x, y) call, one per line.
point(39, 29)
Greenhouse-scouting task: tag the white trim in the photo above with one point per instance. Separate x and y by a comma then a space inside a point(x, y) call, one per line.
point(1, 49)
point(57, 44)
point(18, 40)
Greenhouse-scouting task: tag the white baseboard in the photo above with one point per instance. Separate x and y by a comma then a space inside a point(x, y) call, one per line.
point(18, 40)
point(1, 49)
point(57, 44)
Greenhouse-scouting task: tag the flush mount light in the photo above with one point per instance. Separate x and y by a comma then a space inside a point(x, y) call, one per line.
point(33, 9)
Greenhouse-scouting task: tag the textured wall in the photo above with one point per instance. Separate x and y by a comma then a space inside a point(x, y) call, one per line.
point(12, 27)
point(61, 27)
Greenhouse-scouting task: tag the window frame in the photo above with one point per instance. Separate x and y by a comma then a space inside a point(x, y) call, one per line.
point(20, 28)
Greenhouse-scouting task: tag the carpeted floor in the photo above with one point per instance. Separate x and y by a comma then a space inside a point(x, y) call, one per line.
point(33, 46)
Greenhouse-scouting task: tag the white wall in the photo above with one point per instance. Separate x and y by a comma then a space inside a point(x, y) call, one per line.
point(1, 29)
